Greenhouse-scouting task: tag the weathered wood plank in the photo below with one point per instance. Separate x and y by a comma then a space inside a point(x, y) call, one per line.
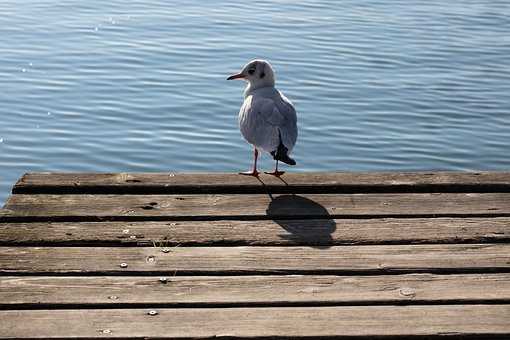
point(441, 258)
point(91, 207)
point(482, 321)
point(44, 291)
point(322, 232)
point(325, 182)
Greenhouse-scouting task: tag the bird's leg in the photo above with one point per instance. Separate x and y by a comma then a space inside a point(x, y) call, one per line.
point(276, 172)
point(254, 171)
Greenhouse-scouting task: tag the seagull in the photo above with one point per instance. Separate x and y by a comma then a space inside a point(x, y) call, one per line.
point(267, 119)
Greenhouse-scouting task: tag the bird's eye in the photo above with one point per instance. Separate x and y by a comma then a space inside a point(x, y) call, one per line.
point(251, 71)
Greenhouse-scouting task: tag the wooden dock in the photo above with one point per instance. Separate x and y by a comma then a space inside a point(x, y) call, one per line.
point(316, 255)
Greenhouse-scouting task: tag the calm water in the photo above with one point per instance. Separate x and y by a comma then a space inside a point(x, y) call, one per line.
point(140, 85)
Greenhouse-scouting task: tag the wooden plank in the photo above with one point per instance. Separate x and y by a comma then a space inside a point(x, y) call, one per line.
point(441, 258)
point(46, 291)
point(133, 207)
point(321, 232)
point(459, 322)
point(322, 182)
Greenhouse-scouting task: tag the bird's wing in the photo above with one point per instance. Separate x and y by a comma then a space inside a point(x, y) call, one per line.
point(265, 123)
point(289, 123)
point(269, 111)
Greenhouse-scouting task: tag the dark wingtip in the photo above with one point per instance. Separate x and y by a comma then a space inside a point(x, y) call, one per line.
point(287, 160)
point(281, 153)
point(283, 158)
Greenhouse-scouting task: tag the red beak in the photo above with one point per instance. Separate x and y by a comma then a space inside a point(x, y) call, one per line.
point(236, 76)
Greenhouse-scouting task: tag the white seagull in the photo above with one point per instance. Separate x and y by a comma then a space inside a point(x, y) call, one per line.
point(267, 119)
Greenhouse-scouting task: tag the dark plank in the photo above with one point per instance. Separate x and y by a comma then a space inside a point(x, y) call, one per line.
point(482, 321)
point(441, 258)
point(45, 292)
point(133, 207)
point(326, 182)
point(265, 232)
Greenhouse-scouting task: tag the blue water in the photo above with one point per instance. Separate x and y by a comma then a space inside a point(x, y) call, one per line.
point(140, 85)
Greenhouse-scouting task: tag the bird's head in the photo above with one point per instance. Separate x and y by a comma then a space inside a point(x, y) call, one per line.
point(258, 73)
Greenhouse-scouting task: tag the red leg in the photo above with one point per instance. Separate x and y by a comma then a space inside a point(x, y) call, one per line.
point(254, 171)
point(276, 172)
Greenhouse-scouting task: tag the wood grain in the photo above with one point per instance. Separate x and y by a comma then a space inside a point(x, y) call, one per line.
point(257, 260)
point(482, 321)
point(320, 182)
point(47, 291)
point(321, 232)
point(126, 207)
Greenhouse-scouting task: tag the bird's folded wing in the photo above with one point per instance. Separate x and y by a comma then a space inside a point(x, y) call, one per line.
point(268, 111)
point(268, 126)
point(283, 119)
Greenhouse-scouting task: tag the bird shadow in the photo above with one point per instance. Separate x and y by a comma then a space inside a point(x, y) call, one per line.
point(316, 232)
